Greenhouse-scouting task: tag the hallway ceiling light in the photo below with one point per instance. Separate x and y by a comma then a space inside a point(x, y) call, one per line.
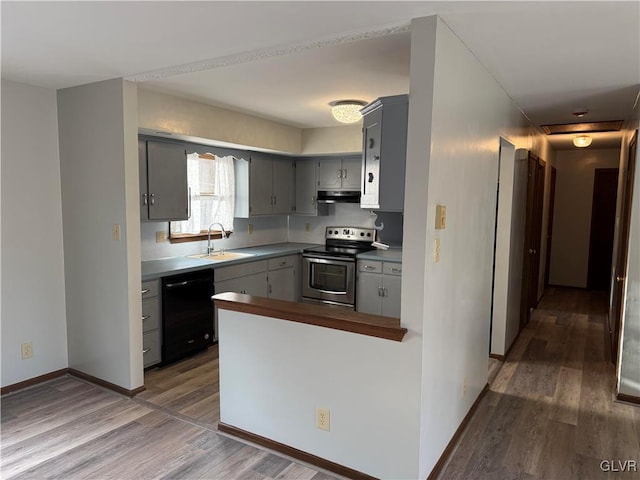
point(582, 141)
point(347, 111)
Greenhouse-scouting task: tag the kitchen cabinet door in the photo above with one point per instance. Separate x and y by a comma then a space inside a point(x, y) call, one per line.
point(351, 168)
point(391, 299)
point(168, 195)
point(255, 284)
point(142, 170)
point(282, 284)
point(330, 174)
point(306, 188)
point(260, 185)
point(283, 179)
point(371, 132)
point(368, 299)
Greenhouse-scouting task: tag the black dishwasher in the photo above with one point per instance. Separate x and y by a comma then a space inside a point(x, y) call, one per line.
point(187, 314)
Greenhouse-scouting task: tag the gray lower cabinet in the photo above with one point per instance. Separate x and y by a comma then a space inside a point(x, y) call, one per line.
point(249, 278)
point(151, 311)
point(379, 288)
point(164, 193)
point(282, 278)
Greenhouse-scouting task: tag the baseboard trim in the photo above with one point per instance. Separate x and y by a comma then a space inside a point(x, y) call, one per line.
point(34, 381)
point(497, 356)
point(456, 436)
point(623, 397)
point(294, 452)
point(105, 384)
point(504, 357)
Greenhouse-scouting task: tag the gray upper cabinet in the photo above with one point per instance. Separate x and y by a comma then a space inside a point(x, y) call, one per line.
point(164, 194)
point(306, 187)
point(384, 152)
point(339, 173)
point(271, 180)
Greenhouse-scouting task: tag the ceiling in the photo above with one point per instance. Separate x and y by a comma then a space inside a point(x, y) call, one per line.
point(286, 61)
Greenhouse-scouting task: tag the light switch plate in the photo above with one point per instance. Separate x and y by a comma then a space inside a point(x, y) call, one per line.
point(441, 217)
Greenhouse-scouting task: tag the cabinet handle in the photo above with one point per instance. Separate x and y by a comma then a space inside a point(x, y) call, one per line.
point(370, 178)
point(145, 199)
point(275, 200)
point(380, 291)
point(339, 173)
point(283, 263)
point(376, 157)
point(313, 200)
point(396, 270)
point(189, 205)
point(142, 292)
point(345, 173)
point(369, 267)
point(270, 289)
point(153, 199)
point(146, 317)
point(146, 350)
point(385, 292)
point(371, 142)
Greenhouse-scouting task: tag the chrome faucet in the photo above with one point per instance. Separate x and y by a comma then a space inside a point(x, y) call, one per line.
point(210, 249)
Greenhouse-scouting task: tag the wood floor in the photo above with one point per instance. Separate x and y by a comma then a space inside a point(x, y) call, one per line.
point(550, 412)
point(70, 429)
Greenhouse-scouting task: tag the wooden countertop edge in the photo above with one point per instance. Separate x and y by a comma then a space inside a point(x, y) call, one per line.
point(337, 319)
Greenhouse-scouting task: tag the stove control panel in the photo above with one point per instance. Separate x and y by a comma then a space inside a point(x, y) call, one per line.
point(351, 233)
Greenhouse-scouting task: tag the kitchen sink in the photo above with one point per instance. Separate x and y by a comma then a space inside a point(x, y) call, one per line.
point(222, 256)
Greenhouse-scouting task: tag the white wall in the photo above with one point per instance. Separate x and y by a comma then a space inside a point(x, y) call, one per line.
point(629, 361)
point(467, 112)
point(33, 287)
point(159, 111)
point(572, 213)
point(341, 139)
point(266, 231)
point(99, 171)
point(275, 373)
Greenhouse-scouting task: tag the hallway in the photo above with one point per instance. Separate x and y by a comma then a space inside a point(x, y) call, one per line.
point(550, 412)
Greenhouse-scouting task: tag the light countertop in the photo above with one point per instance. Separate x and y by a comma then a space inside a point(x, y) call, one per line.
point(392, 255)
point(153, 269)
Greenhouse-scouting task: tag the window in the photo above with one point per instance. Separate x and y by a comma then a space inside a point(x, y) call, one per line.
point(212, 193)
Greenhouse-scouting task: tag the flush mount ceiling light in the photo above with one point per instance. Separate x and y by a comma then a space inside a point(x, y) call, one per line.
point(582, 141)
point(347, 111)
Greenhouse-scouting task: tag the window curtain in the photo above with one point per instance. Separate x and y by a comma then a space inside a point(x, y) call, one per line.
point(212, 190)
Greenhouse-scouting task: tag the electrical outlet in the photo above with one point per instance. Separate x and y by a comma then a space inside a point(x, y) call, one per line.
point(115, 232)
point(323, 418)
point(27, 350)
point(307, 227)
point(250, 229)
point(436, 250)
point(161, 236)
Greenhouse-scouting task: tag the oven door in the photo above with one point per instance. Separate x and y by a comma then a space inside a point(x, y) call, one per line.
point(328, 280)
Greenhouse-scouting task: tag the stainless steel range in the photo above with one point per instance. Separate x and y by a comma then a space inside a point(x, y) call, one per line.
point(329, 271)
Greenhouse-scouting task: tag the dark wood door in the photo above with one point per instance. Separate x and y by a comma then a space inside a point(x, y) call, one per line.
point(533, 232)
point(620, 266)
point(552, 201)
point(603, 219)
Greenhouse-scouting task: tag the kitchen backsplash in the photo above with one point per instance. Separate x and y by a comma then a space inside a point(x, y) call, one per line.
point(276, 229)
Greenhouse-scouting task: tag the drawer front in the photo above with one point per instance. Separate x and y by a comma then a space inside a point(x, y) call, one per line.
point(151, 348)
point(283, 262)
point(150, 314)
point(390, 268)
point(234, 271)
point(369, 266)
point(150, 289)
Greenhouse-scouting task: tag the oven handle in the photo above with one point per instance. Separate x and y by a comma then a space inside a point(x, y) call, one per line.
point(331, 292)
point(328, 259)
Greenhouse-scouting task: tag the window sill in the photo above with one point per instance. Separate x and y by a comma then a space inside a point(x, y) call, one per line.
point(196, 237)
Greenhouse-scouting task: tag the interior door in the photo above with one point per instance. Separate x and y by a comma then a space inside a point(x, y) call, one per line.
point(552, 202)
point(533, 232)
point(603, 220)
point(620, 266)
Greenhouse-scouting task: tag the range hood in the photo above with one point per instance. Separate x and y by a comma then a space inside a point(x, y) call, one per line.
point(338, 196)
